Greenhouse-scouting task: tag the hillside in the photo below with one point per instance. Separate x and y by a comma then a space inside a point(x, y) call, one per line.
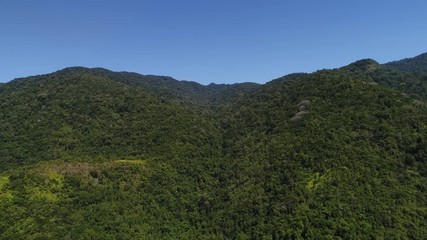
point(413, 83)
point(416, 64)
point(81, 114)
point(326, 155)
point(95, 154)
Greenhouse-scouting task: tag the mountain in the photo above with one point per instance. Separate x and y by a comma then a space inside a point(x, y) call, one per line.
point(95, 154)
point(416, 64)
point(413, 83)
point(83, 114)
point(185, 91)
point(364, 65)
point(337, 156)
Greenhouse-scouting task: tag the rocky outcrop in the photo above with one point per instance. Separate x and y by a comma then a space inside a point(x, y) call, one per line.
point(302, 110)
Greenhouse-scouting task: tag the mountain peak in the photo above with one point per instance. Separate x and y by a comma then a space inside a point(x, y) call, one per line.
point(366, 65)
point(76, 69)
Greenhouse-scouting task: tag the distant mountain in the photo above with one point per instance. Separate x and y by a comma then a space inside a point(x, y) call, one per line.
point(416, 64)
point(95, 154)
point(413, 83)
point(167, 87)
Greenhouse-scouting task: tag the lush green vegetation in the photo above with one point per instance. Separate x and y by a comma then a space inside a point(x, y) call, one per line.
point(415, 64)
point(93, 154)
point(413, 83)
point(352, 166)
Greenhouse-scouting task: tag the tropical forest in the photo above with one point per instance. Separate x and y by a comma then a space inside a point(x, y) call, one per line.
point(89, 153)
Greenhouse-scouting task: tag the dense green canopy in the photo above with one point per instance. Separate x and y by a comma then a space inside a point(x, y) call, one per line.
point(94, 154)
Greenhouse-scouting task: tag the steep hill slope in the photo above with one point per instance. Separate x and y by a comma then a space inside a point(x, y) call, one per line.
point(85, 156)
point(326, 155)
point(80, 114)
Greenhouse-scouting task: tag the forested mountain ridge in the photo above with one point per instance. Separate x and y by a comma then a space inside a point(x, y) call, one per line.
point(168, 87)
point(413, 83)
point(416, 64)
point(86, 113)
point(94, 154)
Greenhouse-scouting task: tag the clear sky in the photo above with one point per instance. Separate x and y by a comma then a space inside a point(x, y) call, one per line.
point(221, 41)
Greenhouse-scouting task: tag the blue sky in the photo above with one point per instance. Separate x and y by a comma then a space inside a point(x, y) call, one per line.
point(221, 41)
